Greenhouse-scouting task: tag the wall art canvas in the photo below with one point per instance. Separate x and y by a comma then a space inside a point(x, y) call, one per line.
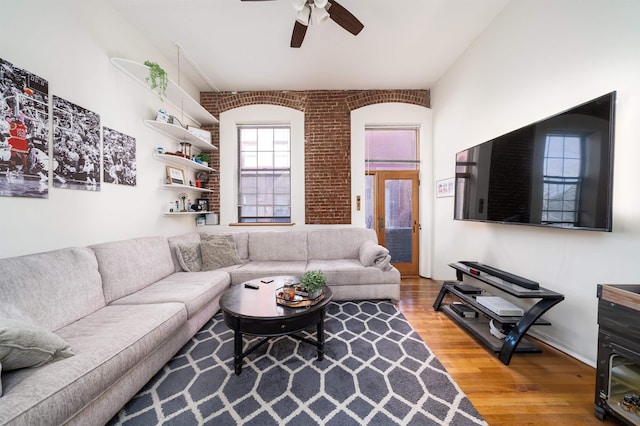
point(76, 146)
point(445, 188)
point(119, 157)
point(24, 133)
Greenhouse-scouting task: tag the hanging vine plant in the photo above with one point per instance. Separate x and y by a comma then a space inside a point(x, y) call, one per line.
point(157, 78)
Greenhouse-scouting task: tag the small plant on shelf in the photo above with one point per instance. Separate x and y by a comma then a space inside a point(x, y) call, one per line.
point(157, 78)
point(203, 157)
point(312, 282)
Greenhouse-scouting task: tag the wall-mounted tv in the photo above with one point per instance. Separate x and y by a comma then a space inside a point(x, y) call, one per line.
point(557, 172)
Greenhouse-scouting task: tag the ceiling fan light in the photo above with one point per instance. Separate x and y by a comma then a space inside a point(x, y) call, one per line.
point(320, 3)
point(303, 15)
point(319, 15)
point(299, 4)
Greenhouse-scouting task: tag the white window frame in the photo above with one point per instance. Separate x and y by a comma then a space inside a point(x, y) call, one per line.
point(259, 115)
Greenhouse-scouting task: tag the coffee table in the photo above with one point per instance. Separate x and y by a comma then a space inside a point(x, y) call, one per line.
point(255, 312)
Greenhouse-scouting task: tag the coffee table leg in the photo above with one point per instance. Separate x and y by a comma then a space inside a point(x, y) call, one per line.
point(320, 336)
point(237, 351)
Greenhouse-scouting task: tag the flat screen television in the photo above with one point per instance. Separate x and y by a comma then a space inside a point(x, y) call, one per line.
point(557, 172)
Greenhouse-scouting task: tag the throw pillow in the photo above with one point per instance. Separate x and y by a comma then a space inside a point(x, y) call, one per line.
point(219, 238)
point(218, 254)
point(371, 253)
point(189, 257)
point(23, 345)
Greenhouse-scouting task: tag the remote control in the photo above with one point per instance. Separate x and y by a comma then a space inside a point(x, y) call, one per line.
point(251, 286)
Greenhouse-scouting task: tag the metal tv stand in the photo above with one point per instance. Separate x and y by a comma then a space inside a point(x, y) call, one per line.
point(517, 326)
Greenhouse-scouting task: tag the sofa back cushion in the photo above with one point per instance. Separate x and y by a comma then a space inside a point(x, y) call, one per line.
point(51, 289)
point(130, 265)
point(242, 244)
point(278, 245)
point(338, 243)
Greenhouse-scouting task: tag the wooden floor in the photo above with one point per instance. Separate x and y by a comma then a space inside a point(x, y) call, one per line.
point(550, 388)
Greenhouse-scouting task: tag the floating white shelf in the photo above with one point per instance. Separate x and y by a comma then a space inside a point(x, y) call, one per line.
point(185, 187)
point(175, 160)
point(180, 134)
point(175, 95)
point(184, 213)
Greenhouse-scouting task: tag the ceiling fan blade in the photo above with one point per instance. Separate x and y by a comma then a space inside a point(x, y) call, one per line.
point(344, 18)
point(297, 37)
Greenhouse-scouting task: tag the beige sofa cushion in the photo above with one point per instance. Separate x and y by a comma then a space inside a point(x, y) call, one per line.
point(278, 245)
point(130, 265)
point(50, 289)
point(338, 243)
point(195, 289)
point(261, 269)
point(108, 344)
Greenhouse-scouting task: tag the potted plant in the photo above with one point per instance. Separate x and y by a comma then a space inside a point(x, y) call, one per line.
point(204, 158)
point(312, 282)
point(157, 78)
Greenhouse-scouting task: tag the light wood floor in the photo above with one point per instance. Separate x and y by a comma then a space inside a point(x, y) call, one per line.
point(550, 388)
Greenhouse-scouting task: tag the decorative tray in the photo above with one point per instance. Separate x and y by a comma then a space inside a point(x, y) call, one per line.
point(301, 299)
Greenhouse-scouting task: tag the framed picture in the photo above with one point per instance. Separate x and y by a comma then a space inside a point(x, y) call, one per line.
point(445, 188)
point(175, 176)
point(203, 203)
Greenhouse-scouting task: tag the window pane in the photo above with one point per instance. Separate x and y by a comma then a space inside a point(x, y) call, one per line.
point(265, 174)
point(265, 160)
point(562, 178)
point(571, 168)
point(248, 135)
point(281, 160)
point(249, 160)
point(391, 149)
point(265, 139)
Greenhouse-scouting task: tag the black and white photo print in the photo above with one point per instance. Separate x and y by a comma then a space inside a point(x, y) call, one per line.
point(24, 133)
point(119, 157)
point(76, 146)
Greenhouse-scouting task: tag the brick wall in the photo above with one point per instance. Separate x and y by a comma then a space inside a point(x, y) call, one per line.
point(327, 137)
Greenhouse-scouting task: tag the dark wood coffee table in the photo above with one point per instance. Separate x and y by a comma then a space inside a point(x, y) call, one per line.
point(255, 312)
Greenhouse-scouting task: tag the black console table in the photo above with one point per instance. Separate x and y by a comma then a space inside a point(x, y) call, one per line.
point(517, 326)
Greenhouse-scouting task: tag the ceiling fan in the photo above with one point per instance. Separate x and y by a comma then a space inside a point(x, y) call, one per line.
point(317, 11)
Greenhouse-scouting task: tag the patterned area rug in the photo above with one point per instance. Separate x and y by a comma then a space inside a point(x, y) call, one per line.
point(376, 371)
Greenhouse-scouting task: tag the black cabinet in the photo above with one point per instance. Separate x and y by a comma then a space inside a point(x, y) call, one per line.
point(618, 363)
point(515, 327)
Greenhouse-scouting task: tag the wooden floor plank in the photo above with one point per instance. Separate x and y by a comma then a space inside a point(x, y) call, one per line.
point(550, 388)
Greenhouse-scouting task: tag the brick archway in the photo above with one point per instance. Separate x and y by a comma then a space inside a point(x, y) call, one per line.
point(327, 140)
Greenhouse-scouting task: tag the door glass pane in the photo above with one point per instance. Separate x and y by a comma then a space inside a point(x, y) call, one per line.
point(368, 200)
point(398, 213)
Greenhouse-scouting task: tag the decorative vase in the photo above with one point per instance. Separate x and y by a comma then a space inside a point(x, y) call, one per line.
point(315, 294)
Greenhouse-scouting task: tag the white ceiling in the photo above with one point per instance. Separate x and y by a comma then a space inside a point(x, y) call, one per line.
point(244, 45)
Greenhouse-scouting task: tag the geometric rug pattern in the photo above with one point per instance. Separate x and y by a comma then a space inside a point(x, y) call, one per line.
point(376, 371)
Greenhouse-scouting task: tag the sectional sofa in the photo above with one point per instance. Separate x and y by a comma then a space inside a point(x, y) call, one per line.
point(83, 329)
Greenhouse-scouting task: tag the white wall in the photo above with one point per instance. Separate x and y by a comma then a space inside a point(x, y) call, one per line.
point(536, 59)
point(69, 43)
point(395, 114)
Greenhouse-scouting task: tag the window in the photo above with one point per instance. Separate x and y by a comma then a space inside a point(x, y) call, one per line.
point(562, 179)
point(264, 193)
point(391, 148)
